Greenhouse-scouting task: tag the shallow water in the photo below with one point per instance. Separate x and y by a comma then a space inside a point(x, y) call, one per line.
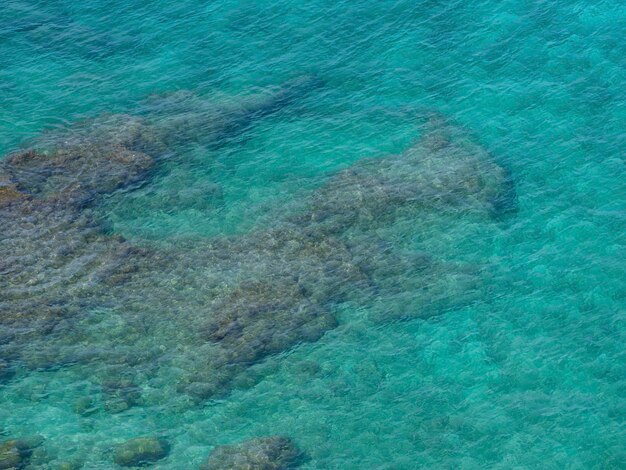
point(523, 367)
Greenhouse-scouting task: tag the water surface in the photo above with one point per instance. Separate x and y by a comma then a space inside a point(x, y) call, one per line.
point(528, 371)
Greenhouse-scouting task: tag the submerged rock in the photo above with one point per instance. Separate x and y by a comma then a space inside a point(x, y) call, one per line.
point(11, 456)
point(10, 194)
point(84, 406)
point(263, 453)
point(5, 371)
point(291, 281)
point(16, 453)
point(444, 171)
point(225, 303)
point(58, 260)
point(85, 168)
point(140, 451)
point(120, 394)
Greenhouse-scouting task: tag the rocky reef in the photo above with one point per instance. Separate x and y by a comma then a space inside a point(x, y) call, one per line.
point(262, 453)
point(226, 303)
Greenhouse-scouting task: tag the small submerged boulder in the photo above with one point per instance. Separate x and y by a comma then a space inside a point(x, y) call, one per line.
point(140, 451)
point(16, 453)
point(262, 453)
point(11, 455)
point(85, 406)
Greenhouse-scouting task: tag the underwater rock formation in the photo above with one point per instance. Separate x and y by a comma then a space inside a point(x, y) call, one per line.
point(222, 304)
point(444, 170)
point(183, 117)
point(16, 453)
point(11, 455)
point(262, 453)
point(120, 394)
point(140, 451)
point(56, 258)
point(311, 264)
point(84, 406)
point(289, 283)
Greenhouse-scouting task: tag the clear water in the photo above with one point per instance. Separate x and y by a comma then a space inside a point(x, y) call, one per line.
point(531, 374)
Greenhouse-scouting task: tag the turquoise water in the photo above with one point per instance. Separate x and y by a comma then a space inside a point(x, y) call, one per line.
point(524, 368)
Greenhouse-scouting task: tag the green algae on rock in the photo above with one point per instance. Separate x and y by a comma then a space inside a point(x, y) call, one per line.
point(11, 456)
point(140, 451)
point(262, 453)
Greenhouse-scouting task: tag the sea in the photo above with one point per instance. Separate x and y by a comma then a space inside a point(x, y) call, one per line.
point(522, 368)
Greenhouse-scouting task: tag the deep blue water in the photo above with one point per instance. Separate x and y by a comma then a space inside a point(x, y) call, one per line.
point(523, 367)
